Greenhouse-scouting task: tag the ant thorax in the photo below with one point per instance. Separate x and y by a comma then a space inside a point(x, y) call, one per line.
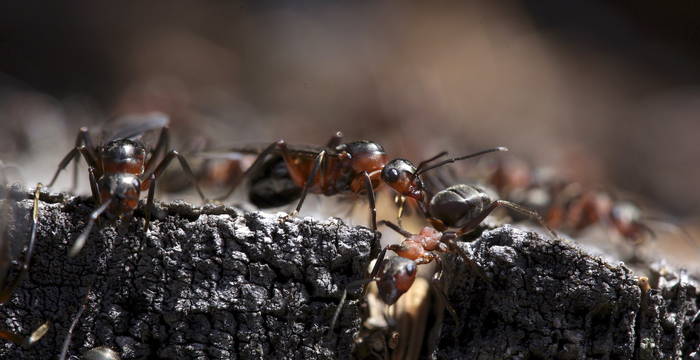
point(123, 155)
point(417, 245)
point(364, 155)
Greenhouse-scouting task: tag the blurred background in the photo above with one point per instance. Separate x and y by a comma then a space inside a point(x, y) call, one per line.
point(606, 93)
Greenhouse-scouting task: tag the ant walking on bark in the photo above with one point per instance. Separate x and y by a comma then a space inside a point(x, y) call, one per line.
point(123, 167)
point(355, 167)
point(119, 170)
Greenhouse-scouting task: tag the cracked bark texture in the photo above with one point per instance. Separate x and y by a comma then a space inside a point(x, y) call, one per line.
point(546, 299)
point(210, 283)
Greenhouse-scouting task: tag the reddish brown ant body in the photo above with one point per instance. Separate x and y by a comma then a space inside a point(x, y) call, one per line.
point(355, 167)
point(122, 168)
point(459, 206)
point(566, 205)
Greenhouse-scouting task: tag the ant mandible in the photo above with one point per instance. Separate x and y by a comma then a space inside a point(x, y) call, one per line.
point(354, 167)
point(120, 169)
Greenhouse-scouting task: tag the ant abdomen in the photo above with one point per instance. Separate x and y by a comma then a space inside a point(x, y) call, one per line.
point(458, 204)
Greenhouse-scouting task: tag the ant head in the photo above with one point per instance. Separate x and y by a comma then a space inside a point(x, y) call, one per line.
point(124, 189)
point(400, 174)
point(396, 278)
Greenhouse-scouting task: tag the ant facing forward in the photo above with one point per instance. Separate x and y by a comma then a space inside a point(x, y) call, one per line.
point(354, 167)
point(123, 167)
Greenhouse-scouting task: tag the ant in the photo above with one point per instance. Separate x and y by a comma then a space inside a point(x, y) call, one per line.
point(354, 167)
point(123, 167)
point(584, 209)
point(567, 205)
point(8, 287)
point(461, 206)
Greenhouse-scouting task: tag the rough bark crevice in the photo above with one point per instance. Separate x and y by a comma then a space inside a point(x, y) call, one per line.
point(546, 299)
point(212, 283)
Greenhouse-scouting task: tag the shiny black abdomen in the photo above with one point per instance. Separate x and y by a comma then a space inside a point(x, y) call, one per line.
point(458, 204)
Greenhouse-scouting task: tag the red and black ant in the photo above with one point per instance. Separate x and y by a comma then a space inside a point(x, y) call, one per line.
point(7, 287)
point(459, 206)
point(123, 167)
point(567, 205)
point(354, 167)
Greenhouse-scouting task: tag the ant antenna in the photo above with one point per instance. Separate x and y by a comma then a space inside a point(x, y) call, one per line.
point(449, 161)
point(425, 162)
point(80, 241)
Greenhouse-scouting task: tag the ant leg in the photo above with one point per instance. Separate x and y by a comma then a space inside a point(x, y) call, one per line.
point(80, 241)
point(372, 212)
point(437, 286)
point(73, 154)
point(502, 203)
point(94, 188)
point(335, 140)
point(149, 203)
point(532, 214)
point(309, 181)
point(74, 323)
point(83, 139)
point(396, 228)
point(450, 238)
point(7, 291)
point(62, 165)
point(400, 200)
point(270, 149)
point(343, 299)
point(378, 263)
point(161, 147)
point(164, 164)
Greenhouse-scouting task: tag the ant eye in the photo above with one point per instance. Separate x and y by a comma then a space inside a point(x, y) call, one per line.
point(390, 175)
point(411, 269)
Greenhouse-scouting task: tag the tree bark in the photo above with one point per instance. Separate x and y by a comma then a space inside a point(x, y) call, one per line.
point(219, 283)
point(209, 283)
point(546, 299)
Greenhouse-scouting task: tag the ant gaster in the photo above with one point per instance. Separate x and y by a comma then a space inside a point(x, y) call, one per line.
point(355, 167)
point(121, 168)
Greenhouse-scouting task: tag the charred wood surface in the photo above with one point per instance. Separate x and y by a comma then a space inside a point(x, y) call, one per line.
point(209, 283)
point(545, 299)
point(219, 283)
